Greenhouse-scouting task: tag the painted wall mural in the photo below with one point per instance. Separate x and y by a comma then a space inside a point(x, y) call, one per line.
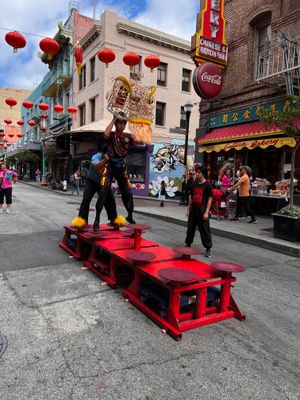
point(166, 164)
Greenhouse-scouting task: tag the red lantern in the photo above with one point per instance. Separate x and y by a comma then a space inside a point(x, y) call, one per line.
point(78, 56)
point(2, 134)
point(11, 135)
point(8, 121)
point(8, 144)
point(58, 108)
point(32, 123)
point(19, 135)
point(131, 59)
point(43, 106)
point(20, 122)
point(152, 61)
point(11, 102)
point(27, 104)
point(16, 40)
point(49, 46)
point(107, 56)
point(1, 144)
point(72, 110)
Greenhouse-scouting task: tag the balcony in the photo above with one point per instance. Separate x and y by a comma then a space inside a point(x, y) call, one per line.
point(279, 64)
point(52, 81)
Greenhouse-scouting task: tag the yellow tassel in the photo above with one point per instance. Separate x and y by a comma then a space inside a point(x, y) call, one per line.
point(78, 222)
point(120, 221)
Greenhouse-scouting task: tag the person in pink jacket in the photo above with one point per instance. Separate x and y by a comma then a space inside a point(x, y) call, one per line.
point(7, 177)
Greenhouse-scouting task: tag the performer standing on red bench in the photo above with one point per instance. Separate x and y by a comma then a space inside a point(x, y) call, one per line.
point(119, 143)
point(200, 201)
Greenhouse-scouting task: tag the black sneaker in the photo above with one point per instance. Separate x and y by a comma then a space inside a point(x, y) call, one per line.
point(233, 219)
point(130, 219)
point(187, 245)
point(252, 221)
point(96, 227)
point(207, 253)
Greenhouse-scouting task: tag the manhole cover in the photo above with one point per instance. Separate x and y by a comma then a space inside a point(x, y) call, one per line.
point(73, 202)
point(3, 344)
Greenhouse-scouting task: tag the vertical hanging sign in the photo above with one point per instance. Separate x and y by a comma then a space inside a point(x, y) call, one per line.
point(209, 40)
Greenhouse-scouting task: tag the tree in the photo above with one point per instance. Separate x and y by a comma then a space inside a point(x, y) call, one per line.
point(286, 120)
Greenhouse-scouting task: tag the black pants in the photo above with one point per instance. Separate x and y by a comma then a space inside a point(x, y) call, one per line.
point(109, 202)
point(196, 220)
point(7, 193)
point(124, 185)
point(244, 203)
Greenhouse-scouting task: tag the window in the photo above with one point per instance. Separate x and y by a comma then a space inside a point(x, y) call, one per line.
point(93, 109)
point(67, 100)
point(82, 78)
point(82, 115)
point(182, 118)
point(186, 80)
point(135, 73)
point(92, 69)
point(162, 74)
point(263, 50)
point(160, 113)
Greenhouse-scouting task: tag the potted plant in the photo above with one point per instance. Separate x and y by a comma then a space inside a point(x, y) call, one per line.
point(287, 220)
point(287, 223)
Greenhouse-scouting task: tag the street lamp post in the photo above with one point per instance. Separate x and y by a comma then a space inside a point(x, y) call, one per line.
point(188, 109)
point(43, 130)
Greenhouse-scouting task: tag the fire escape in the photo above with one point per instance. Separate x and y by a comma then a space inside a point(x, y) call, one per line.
point(279, 64)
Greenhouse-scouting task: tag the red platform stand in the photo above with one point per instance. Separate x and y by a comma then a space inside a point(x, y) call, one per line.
point(175, 294)
point(70, 241)
point(107, 267)
point(74, 238)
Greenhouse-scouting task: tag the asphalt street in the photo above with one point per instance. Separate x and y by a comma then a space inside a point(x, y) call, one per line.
point(71, 338)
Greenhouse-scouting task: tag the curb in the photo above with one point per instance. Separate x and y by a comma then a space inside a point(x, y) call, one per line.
point(255, 241)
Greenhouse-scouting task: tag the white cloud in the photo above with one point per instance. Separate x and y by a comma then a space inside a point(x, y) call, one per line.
point(25, 70)
point(174, 17)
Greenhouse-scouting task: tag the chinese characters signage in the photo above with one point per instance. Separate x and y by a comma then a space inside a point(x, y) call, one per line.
point(244, 115)
point(210, 40)
point(249, 144)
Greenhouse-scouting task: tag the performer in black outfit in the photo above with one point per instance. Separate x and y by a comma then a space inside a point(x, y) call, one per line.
point(119, 143)
point(199, 205)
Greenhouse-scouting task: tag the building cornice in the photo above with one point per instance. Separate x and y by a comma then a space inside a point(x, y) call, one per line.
point(153, 36)
point(92, 34)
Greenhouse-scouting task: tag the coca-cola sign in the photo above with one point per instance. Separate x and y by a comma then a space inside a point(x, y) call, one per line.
point(207, 80)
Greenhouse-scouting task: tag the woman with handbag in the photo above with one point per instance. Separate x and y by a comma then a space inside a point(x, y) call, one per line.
point(6, 178)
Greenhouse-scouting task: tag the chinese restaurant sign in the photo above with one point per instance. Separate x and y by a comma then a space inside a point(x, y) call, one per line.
point(250, 144)
point(245, 114)
point(210, 40)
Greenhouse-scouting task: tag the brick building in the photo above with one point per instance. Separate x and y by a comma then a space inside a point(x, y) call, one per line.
point(263, 66)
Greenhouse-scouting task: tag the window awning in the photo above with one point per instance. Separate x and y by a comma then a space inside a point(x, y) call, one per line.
point(248, 130)
point(250, 144)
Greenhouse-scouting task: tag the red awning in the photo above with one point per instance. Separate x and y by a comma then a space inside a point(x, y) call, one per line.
point(240, 131)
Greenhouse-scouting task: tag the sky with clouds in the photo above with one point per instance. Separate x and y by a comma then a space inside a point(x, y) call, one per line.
point(24, 70)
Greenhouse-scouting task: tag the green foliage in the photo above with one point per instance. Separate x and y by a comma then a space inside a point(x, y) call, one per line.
point(291, 211)
point(285, 119)
point(27, 156)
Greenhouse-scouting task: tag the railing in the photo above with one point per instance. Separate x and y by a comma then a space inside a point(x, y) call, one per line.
point(53, 76)
point(278, 59)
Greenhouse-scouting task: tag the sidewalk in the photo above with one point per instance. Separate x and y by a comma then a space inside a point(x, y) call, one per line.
point(260, 234)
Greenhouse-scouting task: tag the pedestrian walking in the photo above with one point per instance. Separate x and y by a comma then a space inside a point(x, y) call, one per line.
point(37, 175)
point(76, 182)
point(162, 193)
point(200, 201)
point(7, 177)
point(243, 186)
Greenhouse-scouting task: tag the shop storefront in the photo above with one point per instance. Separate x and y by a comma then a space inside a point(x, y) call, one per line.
point(240, 138)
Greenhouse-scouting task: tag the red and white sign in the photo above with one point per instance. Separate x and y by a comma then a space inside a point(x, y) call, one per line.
point(210, 40)
point(207, 80)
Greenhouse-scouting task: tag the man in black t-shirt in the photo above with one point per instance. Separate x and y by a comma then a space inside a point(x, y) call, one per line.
point(198, 210)
point(118, 144)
